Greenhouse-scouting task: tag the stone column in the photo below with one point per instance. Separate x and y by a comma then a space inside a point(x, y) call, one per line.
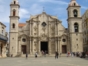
point(55, 46)
point(49, 47)
point(31, 46)
point(39, 45)
point(18, 51)
point(28, 46)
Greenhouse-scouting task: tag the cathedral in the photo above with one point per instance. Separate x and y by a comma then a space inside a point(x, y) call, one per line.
point(45, 33)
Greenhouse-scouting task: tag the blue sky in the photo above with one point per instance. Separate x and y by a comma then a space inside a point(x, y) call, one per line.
point(33, 7)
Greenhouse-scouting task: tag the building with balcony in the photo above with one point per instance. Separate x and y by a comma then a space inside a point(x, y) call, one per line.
point(85, 31)
point(3, 40)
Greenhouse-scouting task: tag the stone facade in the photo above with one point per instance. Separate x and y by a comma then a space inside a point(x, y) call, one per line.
point(3, 40)
point(44, 32)
point(85, 31)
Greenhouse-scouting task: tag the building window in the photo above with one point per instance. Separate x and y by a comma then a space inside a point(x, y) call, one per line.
point(43, 24)
point(14, 12)
point(76, 27)
point(14, 2)
point(74, 4)
point(2, 31)
point(64, 40)
point(13, 25)
point(2, 27)
point(75, 13)
point(24, 40)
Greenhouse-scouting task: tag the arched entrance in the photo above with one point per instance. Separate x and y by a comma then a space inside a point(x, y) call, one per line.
point(44, 46)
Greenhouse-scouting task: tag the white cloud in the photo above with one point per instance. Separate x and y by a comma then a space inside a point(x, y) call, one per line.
point(23, 13)
point(4, 14)
point(55, 1)
point(35, 9)
point(83, 7)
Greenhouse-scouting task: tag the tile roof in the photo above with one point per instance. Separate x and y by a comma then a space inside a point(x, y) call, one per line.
point(21, 24)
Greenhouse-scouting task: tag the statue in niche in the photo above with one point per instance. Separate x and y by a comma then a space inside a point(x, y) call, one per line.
point(35, 28)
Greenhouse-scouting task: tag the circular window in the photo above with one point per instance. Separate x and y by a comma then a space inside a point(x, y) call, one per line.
point(64, 40)
point(24, 40)
point(44, 24)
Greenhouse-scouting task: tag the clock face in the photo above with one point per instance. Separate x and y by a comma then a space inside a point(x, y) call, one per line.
point(44, 24)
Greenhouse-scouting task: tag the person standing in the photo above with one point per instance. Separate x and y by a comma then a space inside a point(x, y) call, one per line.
point(36, 55)
point(26, 55)
point(56, 55)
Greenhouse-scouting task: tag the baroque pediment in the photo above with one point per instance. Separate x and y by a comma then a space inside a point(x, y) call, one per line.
point(43, 16)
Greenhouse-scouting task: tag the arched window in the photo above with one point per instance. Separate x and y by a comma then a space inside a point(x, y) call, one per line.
point(13, 25)
point(75, 13)
point(14, 12)
point(14, 2)
point(74, 4)
point(76, 27)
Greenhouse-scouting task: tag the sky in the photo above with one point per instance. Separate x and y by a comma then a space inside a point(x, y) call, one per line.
point(34, 7)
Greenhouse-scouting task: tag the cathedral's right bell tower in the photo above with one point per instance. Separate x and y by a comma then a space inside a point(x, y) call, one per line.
point(75, 26)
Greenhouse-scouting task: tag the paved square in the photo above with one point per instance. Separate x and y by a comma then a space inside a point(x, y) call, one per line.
point(44, 61)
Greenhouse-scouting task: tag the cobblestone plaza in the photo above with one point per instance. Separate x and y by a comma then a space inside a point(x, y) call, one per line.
point(44, 61)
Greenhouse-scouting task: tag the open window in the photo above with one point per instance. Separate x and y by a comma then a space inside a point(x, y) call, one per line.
point(76, 27)
point(14, 2)
point(14, 12)
point(74, 4)
point(13, 25)
point(75, 13)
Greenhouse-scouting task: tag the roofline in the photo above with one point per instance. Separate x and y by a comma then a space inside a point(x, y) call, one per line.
point(2, 24)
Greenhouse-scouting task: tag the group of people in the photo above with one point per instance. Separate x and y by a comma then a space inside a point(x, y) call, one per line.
point(36, 55)
point(77, 54)
point(44, 54)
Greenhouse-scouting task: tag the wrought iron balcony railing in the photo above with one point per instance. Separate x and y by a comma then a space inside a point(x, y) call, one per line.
point(4, 38)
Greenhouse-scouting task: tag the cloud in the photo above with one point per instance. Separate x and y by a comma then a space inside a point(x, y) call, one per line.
point(23, 13)
point(83, 7)
point(4, 14)
point(33, 10)
point(55, 1)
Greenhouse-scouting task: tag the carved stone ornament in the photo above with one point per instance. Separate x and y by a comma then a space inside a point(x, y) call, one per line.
point(35, 28)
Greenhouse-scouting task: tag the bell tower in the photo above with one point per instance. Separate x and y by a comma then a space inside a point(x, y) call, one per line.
point(75, 26)
point(14, 20)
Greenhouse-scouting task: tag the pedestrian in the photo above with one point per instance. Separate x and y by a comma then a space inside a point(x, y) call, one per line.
point(45, 53)
point(36, 55)
point(26, 55)
point(56, 55)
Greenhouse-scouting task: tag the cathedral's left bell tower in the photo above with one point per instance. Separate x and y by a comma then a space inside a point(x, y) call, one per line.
point(14, 20)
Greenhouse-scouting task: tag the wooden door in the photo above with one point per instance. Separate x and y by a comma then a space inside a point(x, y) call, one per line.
point(23, 49)
point(64, 49)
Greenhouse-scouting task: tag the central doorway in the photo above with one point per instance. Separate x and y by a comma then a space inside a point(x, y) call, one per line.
point(44, 47)
point(23, 49)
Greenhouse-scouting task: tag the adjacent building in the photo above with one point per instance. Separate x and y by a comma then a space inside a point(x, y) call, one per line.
point(85, 31)
point(3, 40)
point(46, 33)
